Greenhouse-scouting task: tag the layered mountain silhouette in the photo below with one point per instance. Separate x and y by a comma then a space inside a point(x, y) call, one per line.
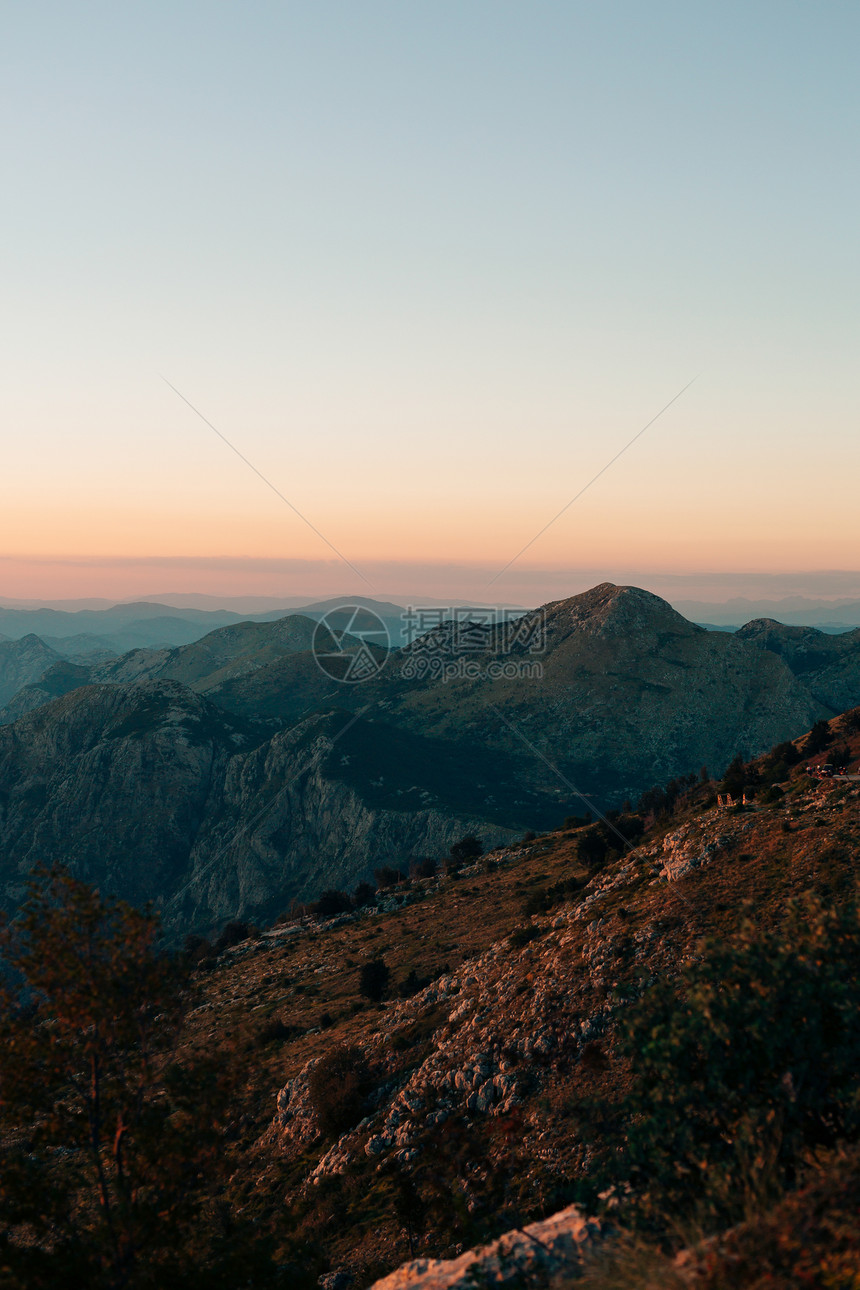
point(22, 662)
point(232, 774)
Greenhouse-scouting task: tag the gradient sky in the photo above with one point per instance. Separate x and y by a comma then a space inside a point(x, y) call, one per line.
point(428, 266)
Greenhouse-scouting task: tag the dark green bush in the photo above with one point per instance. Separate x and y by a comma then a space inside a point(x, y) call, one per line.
point(743, 1067)
point(522, 935)
point(818, 739)
point(373, 979)
point(770, 795)
point(426, 867)
point(276, 1030)
point(541, 902)
point(386, 876)
point(331, 903)
point(234, 933)
point(467, 850)
point(594, 847)
point(338, 1087)
point(364, 895)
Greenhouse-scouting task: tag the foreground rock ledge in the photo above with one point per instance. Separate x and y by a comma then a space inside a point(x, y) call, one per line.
point(554, 1245)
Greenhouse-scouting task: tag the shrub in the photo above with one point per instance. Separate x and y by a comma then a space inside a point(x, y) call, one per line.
point(331, 903)
point(542, 901)
point(744, 1067)
point(818, 739)
point(373, 979)
point(234, 933)
point(196, 948)
point(785, 753)
point(364, 895)
point(337, 1088)
point(426, 867)
point(593, 846)
point(521, 936)
point(276, 1030)
point(772, 794)
point(412, 984)
point(386, 877)
point(577, 821)
point(467, 850)
point(736, 778)
point(631, 827)
point(663, 801)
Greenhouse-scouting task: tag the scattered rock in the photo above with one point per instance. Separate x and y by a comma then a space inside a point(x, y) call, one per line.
point(553, 1247)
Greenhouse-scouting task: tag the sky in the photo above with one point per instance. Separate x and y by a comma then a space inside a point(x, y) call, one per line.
point(339, 297)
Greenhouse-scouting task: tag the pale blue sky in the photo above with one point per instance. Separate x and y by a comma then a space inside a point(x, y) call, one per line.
point(429, 266)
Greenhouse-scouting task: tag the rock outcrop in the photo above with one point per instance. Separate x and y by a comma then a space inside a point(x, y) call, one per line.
point(552, 1247)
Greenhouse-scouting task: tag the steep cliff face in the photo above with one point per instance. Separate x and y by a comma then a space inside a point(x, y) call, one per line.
point(828, 665)
point(154, 793)
point(282, 825)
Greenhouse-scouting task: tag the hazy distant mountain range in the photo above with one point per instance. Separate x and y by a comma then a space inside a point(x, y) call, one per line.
point(230, 774)
point(797, 611)
point(116, 628)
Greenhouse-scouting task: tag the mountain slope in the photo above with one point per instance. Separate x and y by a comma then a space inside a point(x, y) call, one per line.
point(619, 692)
point(828, 665)
point(23, 661)
point(488, 1081)
point(156, 794)
point(630, 694)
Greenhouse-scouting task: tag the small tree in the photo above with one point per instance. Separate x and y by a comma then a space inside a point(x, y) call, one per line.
point(364, 895)
point(786, 753)
point(818, 739)
point(331, 903)
point(736, 777)
point(592, 847)
point(338, 1086)
point(234, 933)
point(426, 867)
point(410, 1208)
point(114, 1143)
point(387, 876)
point(373, 979)
point(467, 850)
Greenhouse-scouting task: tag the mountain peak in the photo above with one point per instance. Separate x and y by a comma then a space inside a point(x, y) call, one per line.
point(610, 610)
